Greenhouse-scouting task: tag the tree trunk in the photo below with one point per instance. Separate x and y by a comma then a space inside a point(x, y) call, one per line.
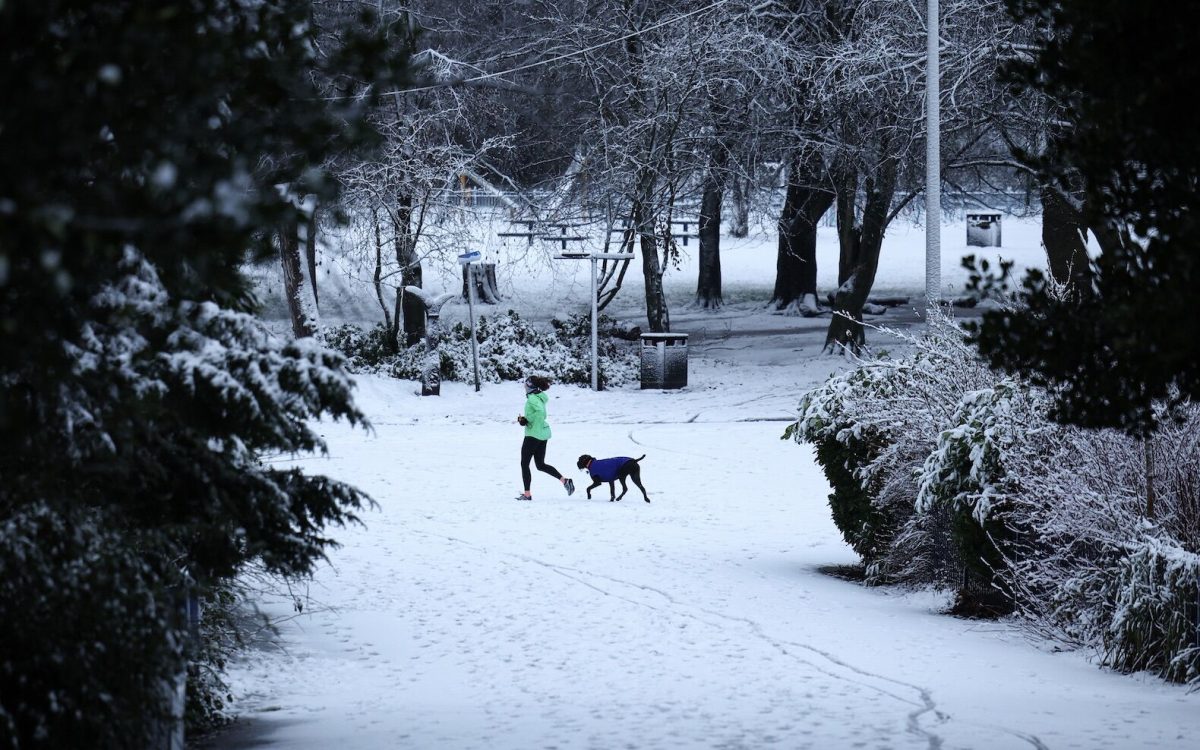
point(804, 205)
point(293, 279)
point(846, 329)
point(708, 284)
point(409, 310)
point(310, 244)
point(739, 216)
point(391, 342)
point(1064, 235)
point(848, 228)
point(656, 302)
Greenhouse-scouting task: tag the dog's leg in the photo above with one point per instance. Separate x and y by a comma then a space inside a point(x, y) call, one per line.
point(612, 492)
point(595, 483)
point(624, 488)
point(636, 475)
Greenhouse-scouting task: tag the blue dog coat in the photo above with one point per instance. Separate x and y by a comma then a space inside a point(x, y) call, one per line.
point(605, 469)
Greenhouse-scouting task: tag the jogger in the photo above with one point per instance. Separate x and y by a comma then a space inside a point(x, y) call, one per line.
point(537, 436)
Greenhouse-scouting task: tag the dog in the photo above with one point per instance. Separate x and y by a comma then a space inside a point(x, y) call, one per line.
point(613, 470)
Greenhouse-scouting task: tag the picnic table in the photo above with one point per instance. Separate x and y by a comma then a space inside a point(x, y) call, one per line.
point(563, 238)
point(527, 235)
point(685, 223)
point(537, 229)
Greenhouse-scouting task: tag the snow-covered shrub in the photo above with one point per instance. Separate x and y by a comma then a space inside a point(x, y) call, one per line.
point(947, 473)
point(510, 348)
point(966, 475)
point(874, 427)
point(1099, 567)
point(1154, 590)
point(619, 361)
point(844, 449)
point(365, 351)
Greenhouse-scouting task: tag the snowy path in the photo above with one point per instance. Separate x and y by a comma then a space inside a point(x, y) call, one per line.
point(460, 618)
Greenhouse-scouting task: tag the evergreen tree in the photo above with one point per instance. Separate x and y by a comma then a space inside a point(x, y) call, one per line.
point(145, 150)
point(1126, 339)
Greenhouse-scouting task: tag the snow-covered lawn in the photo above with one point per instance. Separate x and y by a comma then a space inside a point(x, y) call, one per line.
point(461, 618)
point(539, 287)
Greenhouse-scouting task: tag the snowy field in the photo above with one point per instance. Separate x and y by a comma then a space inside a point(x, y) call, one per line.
point(536, 285)
point(709, 618)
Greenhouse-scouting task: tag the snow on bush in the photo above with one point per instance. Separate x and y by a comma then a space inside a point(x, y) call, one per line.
point(969, 477)
point(1154, 590)
point(873, 428)
point(510, 348)
point(1103, 566)
point(846, 447)
point(153, 485)
point(948, 474)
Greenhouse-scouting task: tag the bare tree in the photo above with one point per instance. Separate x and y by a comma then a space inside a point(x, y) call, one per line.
point(801, 28)
point(868, 85)
point(738, 66)
point(430, 142)
point(635, 78)
point(646, 108)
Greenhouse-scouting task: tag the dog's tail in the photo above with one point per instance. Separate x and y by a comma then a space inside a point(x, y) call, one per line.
point(639, 458)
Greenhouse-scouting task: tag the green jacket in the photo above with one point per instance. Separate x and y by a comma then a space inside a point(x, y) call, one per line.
point(535, 416)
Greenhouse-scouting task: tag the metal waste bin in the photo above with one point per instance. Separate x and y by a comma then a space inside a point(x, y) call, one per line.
point(664, 360)
point(983, 230)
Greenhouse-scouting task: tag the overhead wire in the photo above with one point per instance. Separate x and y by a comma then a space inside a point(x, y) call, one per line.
point(557, 58)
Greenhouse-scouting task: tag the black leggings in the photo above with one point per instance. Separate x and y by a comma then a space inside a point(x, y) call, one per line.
point(535, 449)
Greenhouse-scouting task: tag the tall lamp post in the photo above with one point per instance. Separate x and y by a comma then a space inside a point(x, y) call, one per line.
point(933, 165)
point(594, 258)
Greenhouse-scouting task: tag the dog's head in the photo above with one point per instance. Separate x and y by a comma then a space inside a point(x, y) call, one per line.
point(583, 461)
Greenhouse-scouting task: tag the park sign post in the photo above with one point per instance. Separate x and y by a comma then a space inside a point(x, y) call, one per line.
point(466, 259)
point(594, 257)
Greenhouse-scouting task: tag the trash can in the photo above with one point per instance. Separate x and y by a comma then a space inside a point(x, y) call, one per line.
point(983, 230)
point(664, 360)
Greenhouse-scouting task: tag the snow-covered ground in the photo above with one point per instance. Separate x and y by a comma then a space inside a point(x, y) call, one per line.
point(537, 285)
point(709, 618)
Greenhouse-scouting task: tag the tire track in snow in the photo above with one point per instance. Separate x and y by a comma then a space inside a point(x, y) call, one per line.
point(678, 608)
point(927, 705)
point(923, 704)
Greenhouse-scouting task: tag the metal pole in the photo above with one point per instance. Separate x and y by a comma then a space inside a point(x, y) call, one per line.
point(595, 323)
point(471, 315)
point(933, 166)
